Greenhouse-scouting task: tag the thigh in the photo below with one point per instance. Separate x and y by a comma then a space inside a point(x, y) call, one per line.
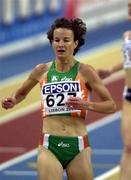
point(81, 166)
point(48, 166)
point(126, 120)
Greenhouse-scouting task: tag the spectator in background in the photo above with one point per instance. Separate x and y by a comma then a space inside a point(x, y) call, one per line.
point(125, 166)
point(129, 10)
point(65, 88)
point(7, 14)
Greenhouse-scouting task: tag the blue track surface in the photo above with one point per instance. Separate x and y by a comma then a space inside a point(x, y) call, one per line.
point(106, 138)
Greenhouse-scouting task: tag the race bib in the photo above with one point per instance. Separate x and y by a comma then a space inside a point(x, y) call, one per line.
point(56, 94)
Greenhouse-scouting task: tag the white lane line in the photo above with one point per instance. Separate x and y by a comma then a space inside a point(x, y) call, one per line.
point(23, 173)
point(18, 159)
point(104, 165)
point(20, 112)
point(23, 44)
point(104, 121)
point(111, 152)
point(108, 173)
point(32, 153)
point(20, 173)
point(12, 149)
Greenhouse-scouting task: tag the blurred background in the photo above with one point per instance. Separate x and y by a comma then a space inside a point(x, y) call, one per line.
point(24, 44)
point(24, 23)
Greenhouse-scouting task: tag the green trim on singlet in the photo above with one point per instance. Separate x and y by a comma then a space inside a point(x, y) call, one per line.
point(56, 76)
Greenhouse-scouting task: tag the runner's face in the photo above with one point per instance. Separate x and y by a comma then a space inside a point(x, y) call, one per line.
point(63, 43)
point(129, 10)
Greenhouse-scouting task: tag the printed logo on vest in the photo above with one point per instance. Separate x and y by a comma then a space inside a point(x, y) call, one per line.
point(66, 79)
point(64, 145)
point(54, 78)
point(61, 87)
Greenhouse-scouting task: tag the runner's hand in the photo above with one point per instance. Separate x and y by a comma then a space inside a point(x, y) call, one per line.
point(77, 103)
point(8, 103)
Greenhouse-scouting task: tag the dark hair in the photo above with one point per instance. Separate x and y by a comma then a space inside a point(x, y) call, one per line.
point(75, 24)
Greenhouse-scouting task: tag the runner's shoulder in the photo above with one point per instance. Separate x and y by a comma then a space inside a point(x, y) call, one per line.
point(43, 67)
point(39, 71)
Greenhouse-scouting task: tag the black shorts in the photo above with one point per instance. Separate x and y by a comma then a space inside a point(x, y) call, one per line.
point(127, 94)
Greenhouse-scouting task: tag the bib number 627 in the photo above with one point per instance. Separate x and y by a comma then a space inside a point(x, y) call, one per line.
point(59, 98)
